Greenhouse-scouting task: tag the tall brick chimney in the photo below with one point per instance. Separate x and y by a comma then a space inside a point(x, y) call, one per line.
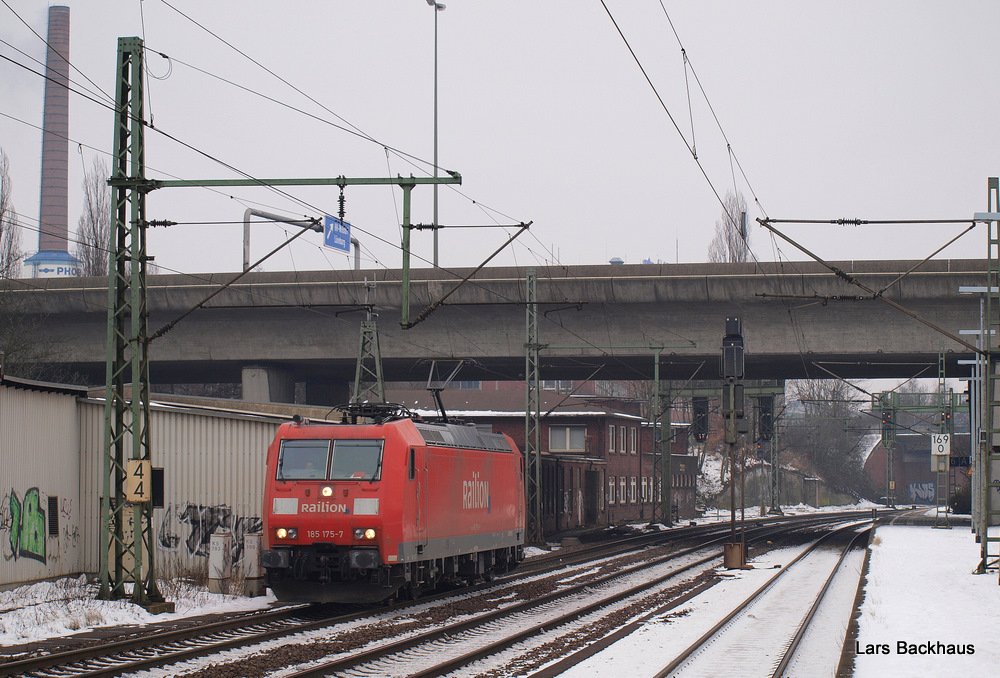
point(53, 258)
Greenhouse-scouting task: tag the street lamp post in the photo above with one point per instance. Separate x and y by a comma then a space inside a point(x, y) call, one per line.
point(438, 7)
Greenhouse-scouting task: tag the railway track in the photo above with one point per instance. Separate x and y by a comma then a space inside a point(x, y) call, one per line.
point(274, 633)
point(144, 650)
point(521, 636)
point(786, 604)
point(150, 650)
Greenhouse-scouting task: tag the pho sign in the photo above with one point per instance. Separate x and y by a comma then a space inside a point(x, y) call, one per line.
point(940, 451)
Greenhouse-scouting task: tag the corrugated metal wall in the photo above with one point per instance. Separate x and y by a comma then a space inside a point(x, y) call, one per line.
point(40, 471)
point(213, 466)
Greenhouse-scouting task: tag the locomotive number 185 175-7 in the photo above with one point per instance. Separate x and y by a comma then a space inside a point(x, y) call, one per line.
point(325, 534)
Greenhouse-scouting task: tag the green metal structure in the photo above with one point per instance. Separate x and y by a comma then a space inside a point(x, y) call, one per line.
point(754, 389)
point(988, 466)
point(775, 472)
point(126, 557)
point(942, 467)
point(662, 472)
point(532, 417)
point(888, 404)
point(368, 383)
point(405, 183)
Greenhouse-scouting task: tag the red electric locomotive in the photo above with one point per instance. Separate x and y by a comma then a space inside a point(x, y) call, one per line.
point(357, 512)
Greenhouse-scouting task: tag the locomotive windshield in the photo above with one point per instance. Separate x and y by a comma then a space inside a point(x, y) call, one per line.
point(310, 460)
point(303, 459)
point(356, 460)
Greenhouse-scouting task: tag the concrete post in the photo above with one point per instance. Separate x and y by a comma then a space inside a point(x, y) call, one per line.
point(220, 562)
point(253, 573)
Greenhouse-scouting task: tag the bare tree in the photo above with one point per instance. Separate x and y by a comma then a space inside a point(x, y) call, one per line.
point(10, 232)
point(730, 243)
point(92, 228)
point(14, 343)
point(826, 432)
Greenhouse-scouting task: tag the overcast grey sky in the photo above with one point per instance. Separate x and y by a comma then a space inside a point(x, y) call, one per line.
point(874, 110)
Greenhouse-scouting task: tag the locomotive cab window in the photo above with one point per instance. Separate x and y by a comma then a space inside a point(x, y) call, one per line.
point(303, 459)
point(356, 460)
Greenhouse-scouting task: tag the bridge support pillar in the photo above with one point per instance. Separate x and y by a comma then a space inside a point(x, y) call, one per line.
point(263, 384)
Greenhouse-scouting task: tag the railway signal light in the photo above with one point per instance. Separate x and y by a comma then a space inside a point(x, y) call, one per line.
point(766, 419)
point(732, 399)
point(887, 425)
point(699, 420)
point(732, 349)
point(732, 368)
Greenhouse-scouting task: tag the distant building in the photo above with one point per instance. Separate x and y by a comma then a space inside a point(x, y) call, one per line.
point(915, 481)
point(53, 264)
point(597, 456)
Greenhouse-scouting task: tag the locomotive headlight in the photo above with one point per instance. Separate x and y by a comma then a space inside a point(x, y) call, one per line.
point(286, 533)
point(327, 491)
point(364, 533)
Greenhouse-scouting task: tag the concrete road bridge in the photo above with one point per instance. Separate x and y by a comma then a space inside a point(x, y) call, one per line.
point(271, 330)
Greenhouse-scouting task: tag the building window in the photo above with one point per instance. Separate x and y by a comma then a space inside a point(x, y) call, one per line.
point(611, 438)
point(468, 385)
point(631, 489)
point(644, 498)
point(632, 440)
point(621, 439)
point(622, 497)
point(611, 489)
point(557, 385)
point(567, 438)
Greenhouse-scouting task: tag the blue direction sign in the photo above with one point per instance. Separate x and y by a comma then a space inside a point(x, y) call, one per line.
point(336, 234)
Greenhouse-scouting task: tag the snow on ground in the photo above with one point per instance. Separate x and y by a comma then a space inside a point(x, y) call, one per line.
point(55, 609)
point(646, 651)
point(715, 515)
point(67, 606)
point(921, 593)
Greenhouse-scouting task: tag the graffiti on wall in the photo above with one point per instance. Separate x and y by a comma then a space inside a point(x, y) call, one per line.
point(24, 521)
point(188, 528)
point(921, 493)
point(70, 531)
